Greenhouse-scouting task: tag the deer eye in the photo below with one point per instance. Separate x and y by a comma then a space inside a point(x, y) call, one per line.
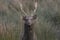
point(35, 16)
point(26, 19)
point(32, 19)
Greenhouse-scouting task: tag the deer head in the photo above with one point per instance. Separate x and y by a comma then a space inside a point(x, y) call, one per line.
point(29, 19)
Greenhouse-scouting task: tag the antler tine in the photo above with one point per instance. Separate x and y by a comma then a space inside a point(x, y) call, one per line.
point(22, 9)
point(35, 7)
point(35, 4)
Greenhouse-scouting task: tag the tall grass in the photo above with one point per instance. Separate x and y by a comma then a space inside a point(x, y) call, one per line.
point(11, 24)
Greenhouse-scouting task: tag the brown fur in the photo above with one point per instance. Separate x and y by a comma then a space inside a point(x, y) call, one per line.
point(29, 33)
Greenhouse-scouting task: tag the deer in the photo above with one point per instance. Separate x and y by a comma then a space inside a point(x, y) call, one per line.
point(29, 21)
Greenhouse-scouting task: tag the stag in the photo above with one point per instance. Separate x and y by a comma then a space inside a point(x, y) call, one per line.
point(29, 21)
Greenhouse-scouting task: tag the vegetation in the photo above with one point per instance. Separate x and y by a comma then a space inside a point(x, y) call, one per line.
point(48, 23)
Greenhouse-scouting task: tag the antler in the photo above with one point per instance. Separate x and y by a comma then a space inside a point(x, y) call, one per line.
point(20, 4)
point(35, 7)
point(21, 7)
point(35, 4)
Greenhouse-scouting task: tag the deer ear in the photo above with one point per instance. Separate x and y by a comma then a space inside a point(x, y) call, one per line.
point(24, 17)
point(35, 16)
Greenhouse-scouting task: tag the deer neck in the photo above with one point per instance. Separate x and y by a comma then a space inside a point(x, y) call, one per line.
point(28, 32)
point(28, 28)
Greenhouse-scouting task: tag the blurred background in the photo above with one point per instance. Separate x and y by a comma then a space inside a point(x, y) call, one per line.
point(47, 26)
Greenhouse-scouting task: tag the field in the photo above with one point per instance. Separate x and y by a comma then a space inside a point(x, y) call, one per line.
point(47, 25)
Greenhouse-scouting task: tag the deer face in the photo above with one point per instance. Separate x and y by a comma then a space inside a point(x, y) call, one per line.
point(29, 20)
